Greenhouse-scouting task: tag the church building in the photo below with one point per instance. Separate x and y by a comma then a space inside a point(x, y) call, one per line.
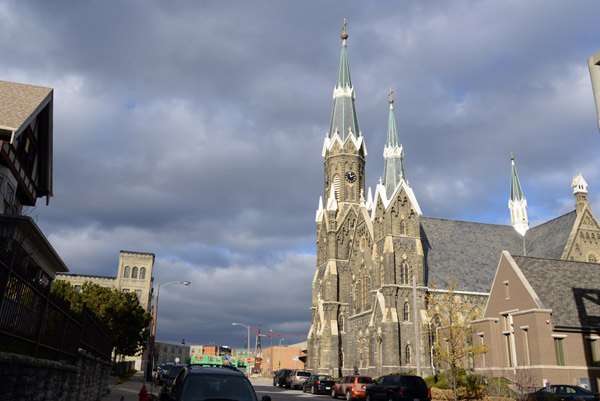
point(378, 256)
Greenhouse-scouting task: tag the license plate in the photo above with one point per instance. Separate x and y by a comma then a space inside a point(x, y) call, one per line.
point(327, 388)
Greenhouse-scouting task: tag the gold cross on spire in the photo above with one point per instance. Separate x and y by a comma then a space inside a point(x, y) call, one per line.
point(391, 99)
point(344, 34)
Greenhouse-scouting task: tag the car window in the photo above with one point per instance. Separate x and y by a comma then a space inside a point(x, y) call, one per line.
point(324, 378)
point(413, 381)
point(364, 380)
point(216, 387)
point(303, 374)
point(346, 379)
point(582, 391)
point(174, 371)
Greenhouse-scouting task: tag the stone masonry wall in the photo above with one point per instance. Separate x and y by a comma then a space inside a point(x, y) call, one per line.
point(29, 379)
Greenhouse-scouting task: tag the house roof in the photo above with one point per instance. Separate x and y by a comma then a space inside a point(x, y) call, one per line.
point(19, 102)
point(570, 289)
point(473, 249)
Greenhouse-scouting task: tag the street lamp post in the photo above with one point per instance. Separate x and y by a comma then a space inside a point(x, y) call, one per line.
point(247, 345)
point(279, 362)
point(155, 317)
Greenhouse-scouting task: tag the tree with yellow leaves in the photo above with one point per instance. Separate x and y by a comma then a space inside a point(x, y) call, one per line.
point(451, 334)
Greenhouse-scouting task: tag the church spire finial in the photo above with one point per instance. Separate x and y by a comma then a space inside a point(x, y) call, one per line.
point(344, 34)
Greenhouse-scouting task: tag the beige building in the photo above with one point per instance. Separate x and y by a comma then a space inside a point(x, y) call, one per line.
point(284, 357)
point(543, 317)
point(168, 353)
point(134, 274)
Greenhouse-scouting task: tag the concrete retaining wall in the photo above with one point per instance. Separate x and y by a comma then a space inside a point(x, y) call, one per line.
point(24, 378)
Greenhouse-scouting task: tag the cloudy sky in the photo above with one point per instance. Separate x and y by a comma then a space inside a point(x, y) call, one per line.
point(193, 130)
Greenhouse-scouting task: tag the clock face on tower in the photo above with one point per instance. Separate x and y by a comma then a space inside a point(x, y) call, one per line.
point(350, 176)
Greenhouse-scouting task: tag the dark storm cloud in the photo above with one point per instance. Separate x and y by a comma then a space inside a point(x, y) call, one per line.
point(194, 130)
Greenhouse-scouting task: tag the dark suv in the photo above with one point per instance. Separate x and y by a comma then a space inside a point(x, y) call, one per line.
point(200, 383)
point(398, 388)
point(280, 375)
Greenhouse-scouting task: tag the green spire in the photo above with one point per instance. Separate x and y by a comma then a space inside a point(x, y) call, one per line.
point(393, 170)
point(516, 193)
point(343, 115)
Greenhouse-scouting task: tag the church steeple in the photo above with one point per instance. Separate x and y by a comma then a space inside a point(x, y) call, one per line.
point(517, 203)
point(344, 121)
point(393, 153)
point(344, 148)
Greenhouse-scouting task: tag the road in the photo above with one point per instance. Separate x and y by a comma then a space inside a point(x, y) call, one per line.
point(264, 386)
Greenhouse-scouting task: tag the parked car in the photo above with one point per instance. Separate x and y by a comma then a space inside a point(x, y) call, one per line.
point(296, 378)
point(167, 383)
point(563, 392)
point(398, 388)
point(351, 387)
point(280, 375)
point(318, 384)
point(198, 382)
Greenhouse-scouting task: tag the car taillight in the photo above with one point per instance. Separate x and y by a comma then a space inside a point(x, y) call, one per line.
point(597, 396)
point(400, 391)
point(317, 382)
point(428, 393)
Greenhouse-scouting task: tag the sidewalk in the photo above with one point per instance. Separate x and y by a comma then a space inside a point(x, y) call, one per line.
point(129, 391)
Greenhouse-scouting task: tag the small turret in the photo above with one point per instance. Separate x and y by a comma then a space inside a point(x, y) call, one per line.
point(580, 191)
point(517, 203)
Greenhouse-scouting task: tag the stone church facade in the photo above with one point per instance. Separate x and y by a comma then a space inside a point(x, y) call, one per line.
point(378, 257)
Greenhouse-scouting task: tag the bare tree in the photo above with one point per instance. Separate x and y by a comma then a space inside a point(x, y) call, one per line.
point(524, 383)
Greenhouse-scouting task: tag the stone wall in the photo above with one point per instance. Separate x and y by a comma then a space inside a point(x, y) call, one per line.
point(29, 379)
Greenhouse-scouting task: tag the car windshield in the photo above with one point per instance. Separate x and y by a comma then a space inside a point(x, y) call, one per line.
point(303, 374)
point(411, 381)
point(325, 378)
point(364, 380)
point(217, 388)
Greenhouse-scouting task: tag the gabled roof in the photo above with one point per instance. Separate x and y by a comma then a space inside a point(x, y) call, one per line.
point(570, 289)
point(473, 249)
point(19, 104)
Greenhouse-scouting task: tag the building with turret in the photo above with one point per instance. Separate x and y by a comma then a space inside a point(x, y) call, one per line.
point(378, 256)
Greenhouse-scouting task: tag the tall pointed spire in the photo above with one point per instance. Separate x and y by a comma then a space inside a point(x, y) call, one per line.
point(344, 121)
point(393, 171)
point(517, 203)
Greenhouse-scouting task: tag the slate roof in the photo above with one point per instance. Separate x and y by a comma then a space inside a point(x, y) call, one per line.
point(548, 240)
point(20, 101)
point(571, 289)
point(473, 249)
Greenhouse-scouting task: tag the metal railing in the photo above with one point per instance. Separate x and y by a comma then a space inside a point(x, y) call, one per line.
point(35, 322)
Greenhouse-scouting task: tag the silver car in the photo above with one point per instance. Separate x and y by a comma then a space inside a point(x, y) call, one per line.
point(296, 379)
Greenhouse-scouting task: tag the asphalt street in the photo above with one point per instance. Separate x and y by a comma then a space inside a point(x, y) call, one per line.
point(264, 386)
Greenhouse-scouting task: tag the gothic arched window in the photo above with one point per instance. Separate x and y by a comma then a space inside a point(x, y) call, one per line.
point(381, 274)
point(127, 272)
point(407, 355)
point(406, 312)
point(402, 227)
point(134, 272)
point(404, 273)
point(143, 273)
